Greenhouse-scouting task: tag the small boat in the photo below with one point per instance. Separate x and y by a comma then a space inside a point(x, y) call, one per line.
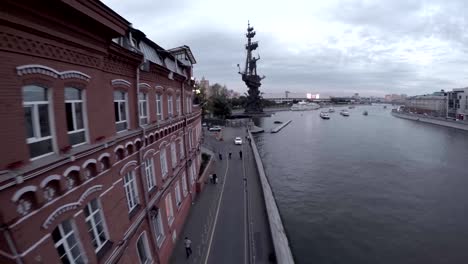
point(331, 110)
point(344, 113)
point(304, 106)
point(324, 115)
point(278, 122)
point(384, 107)
point(351, 107)
point(365, 113)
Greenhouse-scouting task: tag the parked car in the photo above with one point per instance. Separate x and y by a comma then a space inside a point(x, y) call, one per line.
point(215, 128)
point(238, 141)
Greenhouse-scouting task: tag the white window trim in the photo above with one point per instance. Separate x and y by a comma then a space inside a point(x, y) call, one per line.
point(170, 106)
point(160, 227)
point(84, 114)
point(163, 161)
point(36, 124)
point(177, 194)
point(184, 184)
point(169, 205)
point(182, 148)
point(132, 202)
point(146, 246)
point(150, 175)
point(178, 104)
point(159, 107)
point(93, 224)
point(127, 120)
point(173, 155)
point(140, 102)
point(63, 241)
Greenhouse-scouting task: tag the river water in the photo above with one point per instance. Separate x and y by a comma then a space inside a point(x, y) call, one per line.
point(369, 189)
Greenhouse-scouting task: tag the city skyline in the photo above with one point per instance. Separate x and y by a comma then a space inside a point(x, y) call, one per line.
point(338, 46)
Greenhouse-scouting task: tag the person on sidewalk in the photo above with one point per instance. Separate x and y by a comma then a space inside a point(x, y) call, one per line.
point(230, 155)
point(220, 156)
point(240, 154)
point(211, 178)
point(215, 178)
point(188, 246)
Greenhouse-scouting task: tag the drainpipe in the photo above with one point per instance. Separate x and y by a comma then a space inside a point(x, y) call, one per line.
point(11, 245)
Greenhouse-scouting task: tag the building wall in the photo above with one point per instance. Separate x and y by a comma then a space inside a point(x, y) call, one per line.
point(434, 105)
point(99, 69)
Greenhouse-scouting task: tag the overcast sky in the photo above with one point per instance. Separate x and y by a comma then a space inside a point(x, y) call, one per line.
point(330, 47)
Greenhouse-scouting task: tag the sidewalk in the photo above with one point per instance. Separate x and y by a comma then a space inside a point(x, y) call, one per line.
point(241, 233)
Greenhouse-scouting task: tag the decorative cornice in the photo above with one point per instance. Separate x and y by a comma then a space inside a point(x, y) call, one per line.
point(70, 206)
point(145, 85)
point(41, 69)
point(121, 82)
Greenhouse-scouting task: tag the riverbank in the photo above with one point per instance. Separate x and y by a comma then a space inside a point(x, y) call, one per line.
point(432, 120)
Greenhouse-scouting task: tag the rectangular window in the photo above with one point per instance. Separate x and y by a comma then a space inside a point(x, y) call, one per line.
point(163, 159)
point(194, 172)
point(67, 244)
point(177, 194)
point(184, 184)
point(143, 108)
point(143, 250)
point(95, 222)
point(173, 155)
point(149, 170)
point(178, 104)
point(74, 112)
point(169, 105)
point(159, 113)
point(131, 190)
point(158, 229)
point(187, 105)
point(169, 210)
point(36, 114)
point(182, 150)
point(190, 139)
point(120, 110)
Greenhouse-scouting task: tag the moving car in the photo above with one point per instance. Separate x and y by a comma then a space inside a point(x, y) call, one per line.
point(215, 128)
point(238, 141)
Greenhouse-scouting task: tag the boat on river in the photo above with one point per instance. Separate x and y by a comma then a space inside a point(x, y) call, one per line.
point(344, 113)
point(331, 110)
point(324, 115)
point(365, 113)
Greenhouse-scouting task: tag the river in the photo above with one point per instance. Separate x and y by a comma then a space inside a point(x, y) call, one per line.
point(369, 189)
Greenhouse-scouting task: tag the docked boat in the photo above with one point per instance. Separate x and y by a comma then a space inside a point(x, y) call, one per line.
point(278, 122)
point(365, 113)
point(304, 106)
point(324, 115)
point(385, 107)
point(331, 110)
point(344, 113)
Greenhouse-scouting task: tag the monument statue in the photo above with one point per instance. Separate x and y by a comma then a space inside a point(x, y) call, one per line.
point(250, 77)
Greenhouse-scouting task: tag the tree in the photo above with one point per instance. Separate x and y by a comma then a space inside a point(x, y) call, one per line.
point(218, 103)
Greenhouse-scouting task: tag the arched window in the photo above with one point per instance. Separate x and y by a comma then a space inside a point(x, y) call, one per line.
point(151, 139)
point(120, 153)
point(130, 149)
point(73, 179)
point(159, 112)
point(143, 108)
point(75, 121)
point(120, 110)
point(38, 127)
point(90, 170)
point(26, 203)
point(51, 190)
point(138, 145)
point(105, 163)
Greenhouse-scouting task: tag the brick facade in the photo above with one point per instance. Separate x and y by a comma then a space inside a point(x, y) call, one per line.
point(81, 44)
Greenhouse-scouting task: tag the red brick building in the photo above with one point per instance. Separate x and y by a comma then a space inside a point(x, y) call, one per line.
point(100, 142)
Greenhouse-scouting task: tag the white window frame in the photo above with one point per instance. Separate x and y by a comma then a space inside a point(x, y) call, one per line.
point(163, 160)
point(145, 247)
point(64, 241)
point(150, 175)
point(182, 148)
point(131, 191)
point(184, 184)
point(143, 108)
point(187, 104)
point(169, 209)
point(90, 219)
point(158, 228)
point(192, 173)
point(190, 134)
point(177, 194)
point(173, 155)
point(170, 107)
point(34, 105)
point(178, 104)
point(159, 107)
point(119, 102)
point(83, 114)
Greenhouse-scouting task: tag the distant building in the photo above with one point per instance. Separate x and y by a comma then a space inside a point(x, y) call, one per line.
point(206, 85)
point(457, 103)
point(434, 105)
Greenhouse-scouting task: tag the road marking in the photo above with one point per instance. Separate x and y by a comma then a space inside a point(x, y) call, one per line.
point(217, 212)
point(244, 182)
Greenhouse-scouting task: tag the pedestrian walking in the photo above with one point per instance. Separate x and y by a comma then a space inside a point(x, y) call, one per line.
point(220, 156)
point(211, 178)
point(188, 246)
point(230, 155)
point(240, 154)
point(215, 178)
